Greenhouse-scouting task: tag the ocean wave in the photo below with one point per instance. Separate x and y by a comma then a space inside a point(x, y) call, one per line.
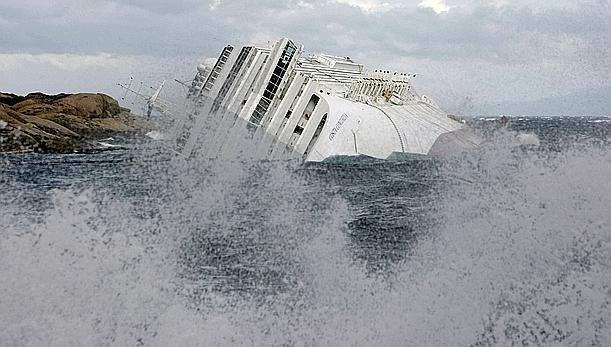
point(516, 251)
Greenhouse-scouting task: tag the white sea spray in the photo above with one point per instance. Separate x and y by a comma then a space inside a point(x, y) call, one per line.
point(519, 253)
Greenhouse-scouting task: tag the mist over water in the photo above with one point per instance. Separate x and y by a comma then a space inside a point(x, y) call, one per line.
point(510, 245)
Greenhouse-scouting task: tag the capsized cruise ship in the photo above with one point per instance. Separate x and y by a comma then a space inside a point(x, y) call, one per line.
point(314, 107)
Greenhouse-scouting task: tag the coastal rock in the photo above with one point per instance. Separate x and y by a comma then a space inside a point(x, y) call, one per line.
point(83, 105)
point(63, 123)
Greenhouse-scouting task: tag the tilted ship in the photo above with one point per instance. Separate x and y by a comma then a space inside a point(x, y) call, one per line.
point(315, 107)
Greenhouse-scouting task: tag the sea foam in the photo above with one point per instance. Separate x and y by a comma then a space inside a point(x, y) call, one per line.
point(518, 252)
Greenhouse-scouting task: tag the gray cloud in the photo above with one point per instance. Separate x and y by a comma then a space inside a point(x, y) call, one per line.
point(162, 7)
point(488, 50)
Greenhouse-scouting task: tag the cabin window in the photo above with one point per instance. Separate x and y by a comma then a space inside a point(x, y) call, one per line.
point(314, 99)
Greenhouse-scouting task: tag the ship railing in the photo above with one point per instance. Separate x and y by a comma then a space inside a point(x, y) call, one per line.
point(380, 85)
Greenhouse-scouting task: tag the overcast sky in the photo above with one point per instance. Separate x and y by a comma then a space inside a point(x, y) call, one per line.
point(465, 52)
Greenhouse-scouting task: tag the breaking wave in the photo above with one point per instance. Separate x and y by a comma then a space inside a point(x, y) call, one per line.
point(516, 250)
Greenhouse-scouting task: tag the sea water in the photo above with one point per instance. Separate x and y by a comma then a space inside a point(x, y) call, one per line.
point(508, 245)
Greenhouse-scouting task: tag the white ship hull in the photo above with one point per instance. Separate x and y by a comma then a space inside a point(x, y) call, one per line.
point(317, 108)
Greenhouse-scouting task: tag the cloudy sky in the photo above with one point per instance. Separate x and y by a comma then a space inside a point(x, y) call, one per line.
point(470, 55)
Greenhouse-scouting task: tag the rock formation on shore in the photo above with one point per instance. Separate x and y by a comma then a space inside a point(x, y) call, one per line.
point(62, 123)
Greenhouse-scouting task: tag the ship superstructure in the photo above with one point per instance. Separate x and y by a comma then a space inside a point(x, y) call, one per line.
point(316, 107)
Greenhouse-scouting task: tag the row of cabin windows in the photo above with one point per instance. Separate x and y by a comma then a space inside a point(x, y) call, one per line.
point(272, 86)
point(237, 66)
point(274, 82)
point(251, 88)
point(218, 68)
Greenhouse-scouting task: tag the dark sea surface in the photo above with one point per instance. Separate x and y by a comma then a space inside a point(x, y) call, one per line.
point(509, 245)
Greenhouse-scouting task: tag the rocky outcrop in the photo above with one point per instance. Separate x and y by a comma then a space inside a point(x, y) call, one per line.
point(62, 123)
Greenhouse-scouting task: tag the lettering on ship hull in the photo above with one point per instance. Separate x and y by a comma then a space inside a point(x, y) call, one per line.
point(338, 126)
